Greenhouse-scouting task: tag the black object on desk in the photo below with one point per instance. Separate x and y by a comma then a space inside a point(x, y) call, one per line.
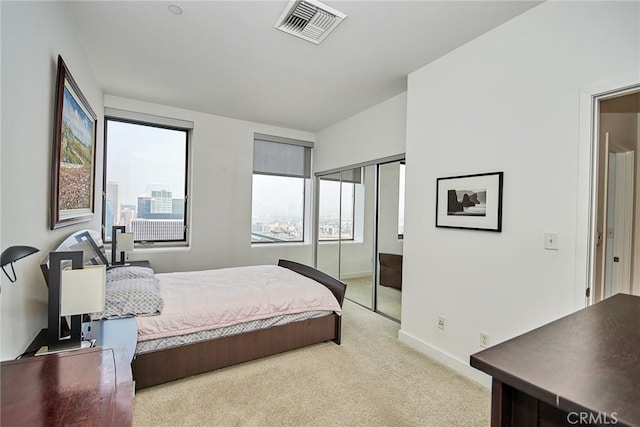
point(582, 367)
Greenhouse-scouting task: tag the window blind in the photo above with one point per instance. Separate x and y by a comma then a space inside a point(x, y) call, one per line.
point(281, 156)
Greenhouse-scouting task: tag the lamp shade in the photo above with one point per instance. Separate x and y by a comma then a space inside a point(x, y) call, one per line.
point(14, 253)
point(124, 242)
point(83, 290)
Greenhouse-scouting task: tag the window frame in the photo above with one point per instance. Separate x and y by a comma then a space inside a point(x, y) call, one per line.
point(306, 185)
point(148, 120)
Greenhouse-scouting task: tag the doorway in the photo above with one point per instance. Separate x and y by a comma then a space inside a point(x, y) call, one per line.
point(617, 226)
point(360, 232)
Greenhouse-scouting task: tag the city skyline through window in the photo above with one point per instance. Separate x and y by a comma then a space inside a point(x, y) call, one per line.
point(277, 209)
point(145, 171)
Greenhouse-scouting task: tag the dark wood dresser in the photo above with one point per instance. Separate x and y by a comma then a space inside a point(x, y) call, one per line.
point(391, 270)
point(91, 387)
point(583, 369)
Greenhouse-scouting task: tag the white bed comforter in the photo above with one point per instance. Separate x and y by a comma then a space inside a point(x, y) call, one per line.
point(200, 300)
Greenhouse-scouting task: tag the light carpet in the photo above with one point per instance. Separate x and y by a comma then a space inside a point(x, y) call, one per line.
point(359, 289)
point(370, 380)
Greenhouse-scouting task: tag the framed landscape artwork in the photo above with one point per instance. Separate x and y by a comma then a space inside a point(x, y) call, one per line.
point(470, 201)
point(73, 168)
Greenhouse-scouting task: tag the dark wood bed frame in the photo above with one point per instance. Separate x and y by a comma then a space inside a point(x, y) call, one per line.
point(170, 364)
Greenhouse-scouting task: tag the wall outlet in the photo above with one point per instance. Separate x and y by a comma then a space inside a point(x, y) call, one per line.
point(441, 323)
point(484, 339)
point(551, 241)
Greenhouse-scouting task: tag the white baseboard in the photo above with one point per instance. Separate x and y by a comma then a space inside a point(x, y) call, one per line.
point(445, 358)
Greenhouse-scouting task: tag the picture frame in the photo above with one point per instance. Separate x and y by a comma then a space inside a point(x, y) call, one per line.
point(74, 153)
point(470, 201)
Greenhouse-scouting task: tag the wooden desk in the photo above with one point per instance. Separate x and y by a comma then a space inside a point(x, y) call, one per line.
point(584, 365)
point(91, 387)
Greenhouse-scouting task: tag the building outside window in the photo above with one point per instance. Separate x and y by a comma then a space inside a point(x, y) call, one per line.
point(281, 181)
point(146, 178)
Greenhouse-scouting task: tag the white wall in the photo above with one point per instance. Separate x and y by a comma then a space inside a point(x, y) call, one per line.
point(221, 174)
point(33, 34)
point(507, 101)
point(372, 134)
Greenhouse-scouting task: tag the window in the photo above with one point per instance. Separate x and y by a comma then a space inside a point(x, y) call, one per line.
point(281, 176)
point(146, 179)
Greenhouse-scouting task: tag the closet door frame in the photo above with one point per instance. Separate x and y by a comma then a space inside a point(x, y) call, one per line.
point(316, 241)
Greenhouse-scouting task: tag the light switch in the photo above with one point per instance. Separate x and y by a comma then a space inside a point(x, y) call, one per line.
point(551, 241)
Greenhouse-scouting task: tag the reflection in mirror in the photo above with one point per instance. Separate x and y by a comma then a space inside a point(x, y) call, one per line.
point(356, 244)
point(359, 238)
point(390, 238)
point(328, 251)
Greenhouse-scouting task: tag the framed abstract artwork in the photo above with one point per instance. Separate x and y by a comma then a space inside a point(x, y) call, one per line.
point(74, 151)
point(470, 201)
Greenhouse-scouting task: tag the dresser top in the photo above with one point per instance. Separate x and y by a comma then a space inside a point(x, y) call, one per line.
point(80, 387)
point(586, 361)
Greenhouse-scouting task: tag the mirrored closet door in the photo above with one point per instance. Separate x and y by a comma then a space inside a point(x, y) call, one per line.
point(359, 231)
point(390, 238)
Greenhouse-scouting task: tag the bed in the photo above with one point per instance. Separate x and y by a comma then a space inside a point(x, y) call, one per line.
point(198, 348)
point(154, 367)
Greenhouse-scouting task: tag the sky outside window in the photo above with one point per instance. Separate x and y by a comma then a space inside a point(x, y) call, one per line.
point(144, 158)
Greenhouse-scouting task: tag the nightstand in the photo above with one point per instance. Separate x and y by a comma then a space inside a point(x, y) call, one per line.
point(114, 333)
point(122, 333)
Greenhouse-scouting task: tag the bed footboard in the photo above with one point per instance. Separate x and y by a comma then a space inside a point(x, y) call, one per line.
point(161, 366)
point(334, 285)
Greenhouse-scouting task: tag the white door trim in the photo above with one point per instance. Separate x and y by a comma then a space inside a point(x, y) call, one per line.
point(587, 174)
point(623, 221)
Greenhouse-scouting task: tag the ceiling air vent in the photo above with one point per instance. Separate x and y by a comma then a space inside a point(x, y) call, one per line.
point(309, 19)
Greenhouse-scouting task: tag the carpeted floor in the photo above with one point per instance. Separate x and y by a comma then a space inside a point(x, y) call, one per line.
point(369, 380)
point(389, 299)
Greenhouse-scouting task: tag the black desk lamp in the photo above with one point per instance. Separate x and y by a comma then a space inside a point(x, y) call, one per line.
point(13, 254)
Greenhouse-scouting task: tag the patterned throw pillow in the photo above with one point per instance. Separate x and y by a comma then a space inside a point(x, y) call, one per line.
point(128, 272)
point(126, 297)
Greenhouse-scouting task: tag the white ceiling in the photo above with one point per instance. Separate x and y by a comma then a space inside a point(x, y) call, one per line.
point(226, 58)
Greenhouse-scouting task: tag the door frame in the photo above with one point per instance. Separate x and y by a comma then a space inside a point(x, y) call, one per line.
point(623, 214)
point(586, 226)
